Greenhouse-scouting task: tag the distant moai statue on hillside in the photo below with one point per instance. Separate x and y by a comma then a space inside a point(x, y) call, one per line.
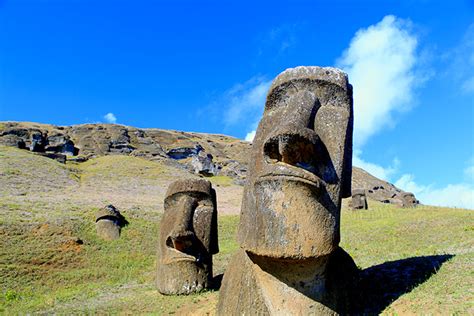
point(409, 200)
point(109, 222)
point(359, 199)
point(290, 262)
point(188, 237)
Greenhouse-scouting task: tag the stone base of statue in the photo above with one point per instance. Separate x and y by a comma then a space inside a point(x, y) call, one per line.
point(255, 285)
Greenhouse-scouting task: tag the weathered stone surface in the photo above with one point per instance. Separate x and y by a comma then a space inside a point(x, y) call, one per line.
point(109, 222)
point(60, 143)
point(188, 237)
point(409, 200)
point(359, 199)
point(290, 218)
point(202, 164)
point(184, 152)
point(38, 142)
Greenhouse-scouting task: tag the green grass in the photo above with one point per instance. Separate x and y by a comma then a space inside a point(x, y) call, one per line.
point(223, 181)
point(43, 270)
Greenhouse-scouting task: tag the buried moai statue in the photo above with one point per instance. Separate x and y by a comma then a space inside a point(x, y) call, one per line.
point(188, 237)
point(409, 200)
point(359, 199)
point(109, 223)
point(290, 262)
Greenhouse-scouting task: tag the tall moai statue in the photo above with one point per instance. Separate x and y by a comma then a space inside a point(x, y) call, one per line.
point(359, 199)
point(289, 261)
point(188, 237)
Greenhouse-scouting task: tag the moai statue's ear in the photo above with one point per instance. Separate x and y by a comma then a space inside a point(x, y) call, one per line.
point(346, 189)
point(214, 244)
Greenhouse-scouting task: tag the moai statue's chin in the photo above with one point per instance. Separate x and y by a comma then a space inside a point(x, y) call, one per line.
point(301, 164)
point(359, 199)
point(188, 237)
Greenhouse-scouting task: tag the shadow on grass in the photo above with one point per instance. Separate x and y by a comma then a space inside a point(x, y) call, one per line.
point(380, 285)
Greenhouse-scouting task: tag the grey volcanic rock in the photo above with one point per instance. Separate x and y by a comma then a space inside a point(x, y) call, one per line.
point(38, 142)
point(188, 237)
point(202, 164)
point(290, 262)
point(60, 143)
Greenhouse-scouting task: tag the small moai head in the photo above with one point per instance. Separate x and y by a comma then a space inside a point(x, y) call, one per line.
point(188, 237)
point(302, 166)
point(109, 222)
point(409, 200)
point(359, 199)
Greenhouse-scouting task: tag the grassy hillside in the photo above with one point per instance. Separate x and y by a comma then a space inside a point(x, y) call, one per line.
point(412, 260)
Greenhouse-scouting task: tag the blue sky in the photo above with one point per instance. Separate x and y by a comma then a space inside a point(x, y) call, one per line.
point(206, 66)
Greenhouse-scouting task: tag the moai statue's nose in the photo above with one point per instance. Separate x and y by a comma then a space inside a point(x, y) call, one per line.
point(182, 236)
point(295, 141)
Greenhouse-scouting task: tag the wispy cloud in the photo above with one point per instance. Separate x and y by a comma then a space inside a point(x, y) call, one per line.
point(110, 118)
point(381, 62)
point(381, 172)
point(462, 61)
point(277, 41)
point(453, 195)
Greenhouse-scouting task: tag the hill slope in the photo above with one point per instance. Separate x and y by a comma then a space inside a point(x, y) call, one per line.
point(194, 152)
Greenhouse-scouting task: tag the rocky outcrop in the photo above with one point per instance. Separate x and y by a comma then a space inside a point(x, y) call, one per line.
point(229, 155)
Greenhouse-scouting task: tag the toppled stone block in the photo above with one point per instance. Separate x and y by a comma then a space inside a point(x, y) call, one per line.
point(359, 199)
point(188, 237)
point(290, 262)
point(109, 223)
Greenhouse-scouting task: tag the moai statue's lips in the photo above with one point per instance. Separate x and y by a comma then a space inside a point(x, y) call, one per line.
point(285, 172)
point(178, 247)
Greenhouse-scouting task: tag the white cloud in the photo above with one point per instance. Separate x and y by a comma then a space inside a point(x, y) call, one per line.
point(110, 118)
point(380, 62)
point(378, 171)
point(245, 101)
point(462, 61)
point(250, 136)
point(453, 195)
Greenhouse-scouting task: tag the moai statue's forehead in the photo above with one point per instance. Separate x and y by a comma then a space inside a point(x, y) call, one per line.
point(302, 165)
point(358, 192)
